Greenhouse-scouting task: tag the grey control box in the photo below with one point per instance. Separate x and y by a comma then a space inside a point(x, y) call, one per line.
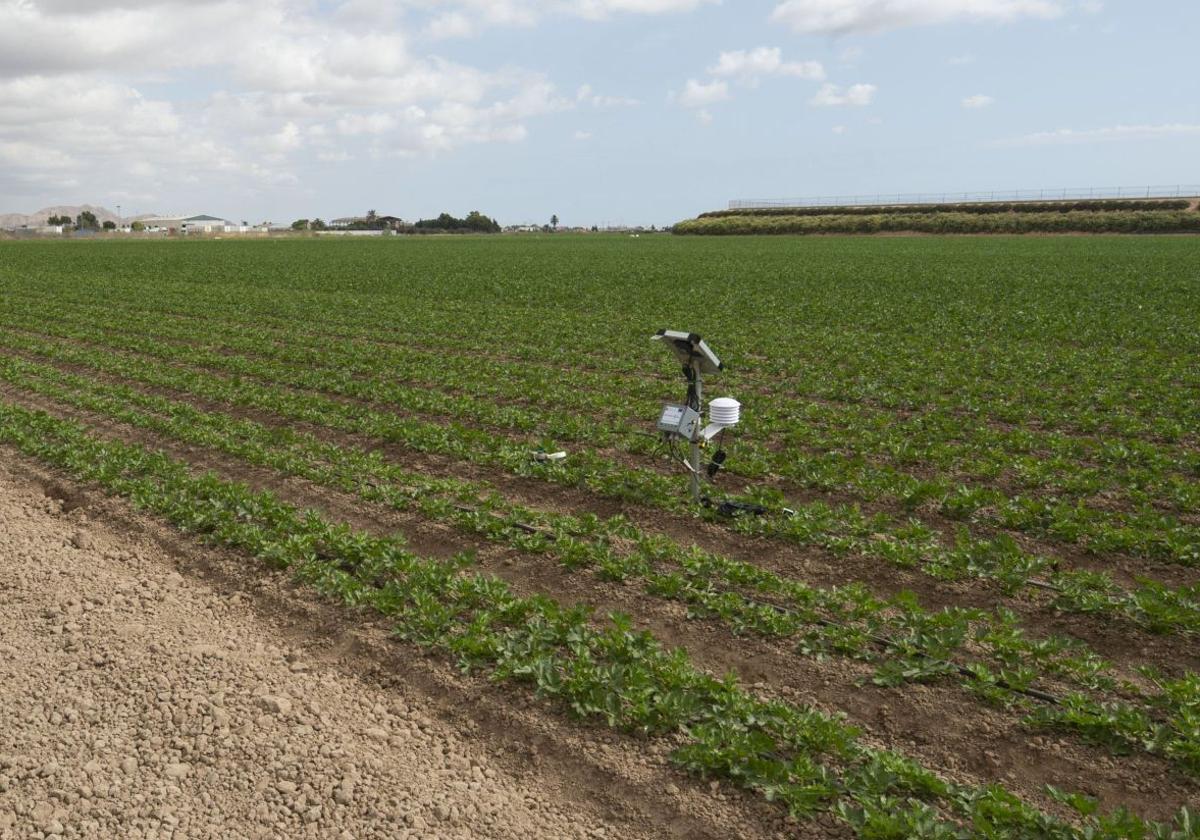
point(679, 420)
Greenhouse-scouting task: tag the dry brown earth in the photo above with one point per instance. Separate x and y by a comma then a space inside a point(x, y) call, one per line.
point(137, 701)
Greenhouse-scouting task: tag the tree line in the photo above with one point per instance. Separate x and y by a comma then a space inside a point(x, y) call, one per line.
point(84, 221)
point(474, 222)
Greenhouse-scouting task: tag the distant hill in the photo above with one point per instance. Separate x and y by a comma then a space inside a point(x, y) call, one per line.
point(103, 214)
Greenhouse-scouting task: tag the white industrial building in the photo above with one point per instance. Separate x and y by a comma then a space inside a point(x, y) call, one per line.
point(206, 224)
point(189, 224)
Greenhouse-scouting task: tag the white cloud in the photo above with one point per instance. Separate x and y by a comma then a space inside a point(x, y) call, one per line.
point(296, 81)
point(704, 117)
point(35, 156)
point(473, 16)
point(701, 94)
point(352, 125)
point(134, 144)
point(582, 135)
point(749, 66)
point(979, 100)
point(850, 55)
point(451, 25)
point(839, 129)
point(838, 17)
point(600, 9)
point(831, 95)
point(470, 17)
point(960, 60)
point(287, 139)
point(586, 96)
point(1117, 133)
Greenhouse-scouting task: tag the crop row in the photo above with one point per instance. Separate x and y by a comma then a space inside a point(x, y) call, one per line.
point(1073, 221)
point(1149, 532)
point(799, 756)
point(570, 404)
point(1146, 531)
point(983, 208)
point(1004, 369)
point(840, 529)
point(1134, 393)
point(904, 641)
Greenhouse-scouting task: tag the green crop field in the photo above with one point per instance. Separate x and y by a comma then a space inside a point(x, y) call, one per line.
point(971, 609)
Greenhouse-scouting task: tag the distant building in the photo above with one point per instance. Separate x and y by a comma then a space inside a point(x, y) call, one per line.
point(345, 232)
point(205, 224)
point(351, 222)
point(163, 224)
point(38, 230)
point(186, 224)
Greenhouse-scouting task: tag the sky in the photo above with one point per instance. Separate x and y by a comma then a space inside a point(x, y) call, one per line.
point(597, 111)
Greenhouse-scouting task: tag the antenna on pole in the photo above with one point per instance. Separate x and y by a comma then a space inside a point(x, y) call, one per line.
point(686, 422)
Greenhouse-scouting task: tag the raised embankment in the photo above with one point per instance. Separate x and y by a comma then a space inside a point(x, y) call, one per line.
point(1090, 216)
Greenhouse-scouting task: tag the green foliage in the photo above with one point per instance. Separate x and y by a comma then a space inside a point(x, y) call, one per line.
point(948, 221)
point(996, 414)
point(982, 208)
point(475, 222)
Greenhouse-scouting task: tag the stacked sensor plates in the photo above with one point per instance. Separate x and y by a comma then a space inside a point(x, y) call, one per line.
point(724, 411)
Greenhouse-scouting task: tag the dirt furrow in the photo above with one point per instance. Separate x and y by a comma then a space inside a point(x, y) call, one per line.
point(1124, 568)
point(1124, 644)
point(981, 744)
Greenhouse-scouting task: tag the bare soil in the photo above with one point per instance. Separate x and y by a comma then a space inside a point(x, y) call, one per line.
point(151, 687)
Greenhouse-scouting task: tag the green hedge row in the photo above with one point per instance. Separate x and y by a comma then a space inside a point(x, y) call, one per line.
point(1095, 205)
point(1129, 221)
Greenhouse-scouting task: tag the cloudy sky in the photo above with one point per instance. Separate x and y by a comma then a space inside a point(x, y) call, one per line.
point(635, 111)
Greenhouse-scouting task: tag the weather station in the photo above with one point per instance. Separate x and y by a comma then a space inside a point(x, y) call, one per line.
point(684, 423)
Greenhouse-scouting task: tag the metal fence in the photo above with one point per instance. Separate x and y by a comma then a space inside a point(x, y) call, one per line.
point(1062, 194)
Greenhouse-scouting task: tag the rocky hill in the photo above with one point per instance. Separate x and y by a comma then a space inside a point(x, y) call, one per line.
point(103, 214)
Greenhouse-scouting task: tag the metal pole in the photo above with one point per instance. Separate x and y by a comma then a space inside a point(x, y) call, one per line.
point(695, 459)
